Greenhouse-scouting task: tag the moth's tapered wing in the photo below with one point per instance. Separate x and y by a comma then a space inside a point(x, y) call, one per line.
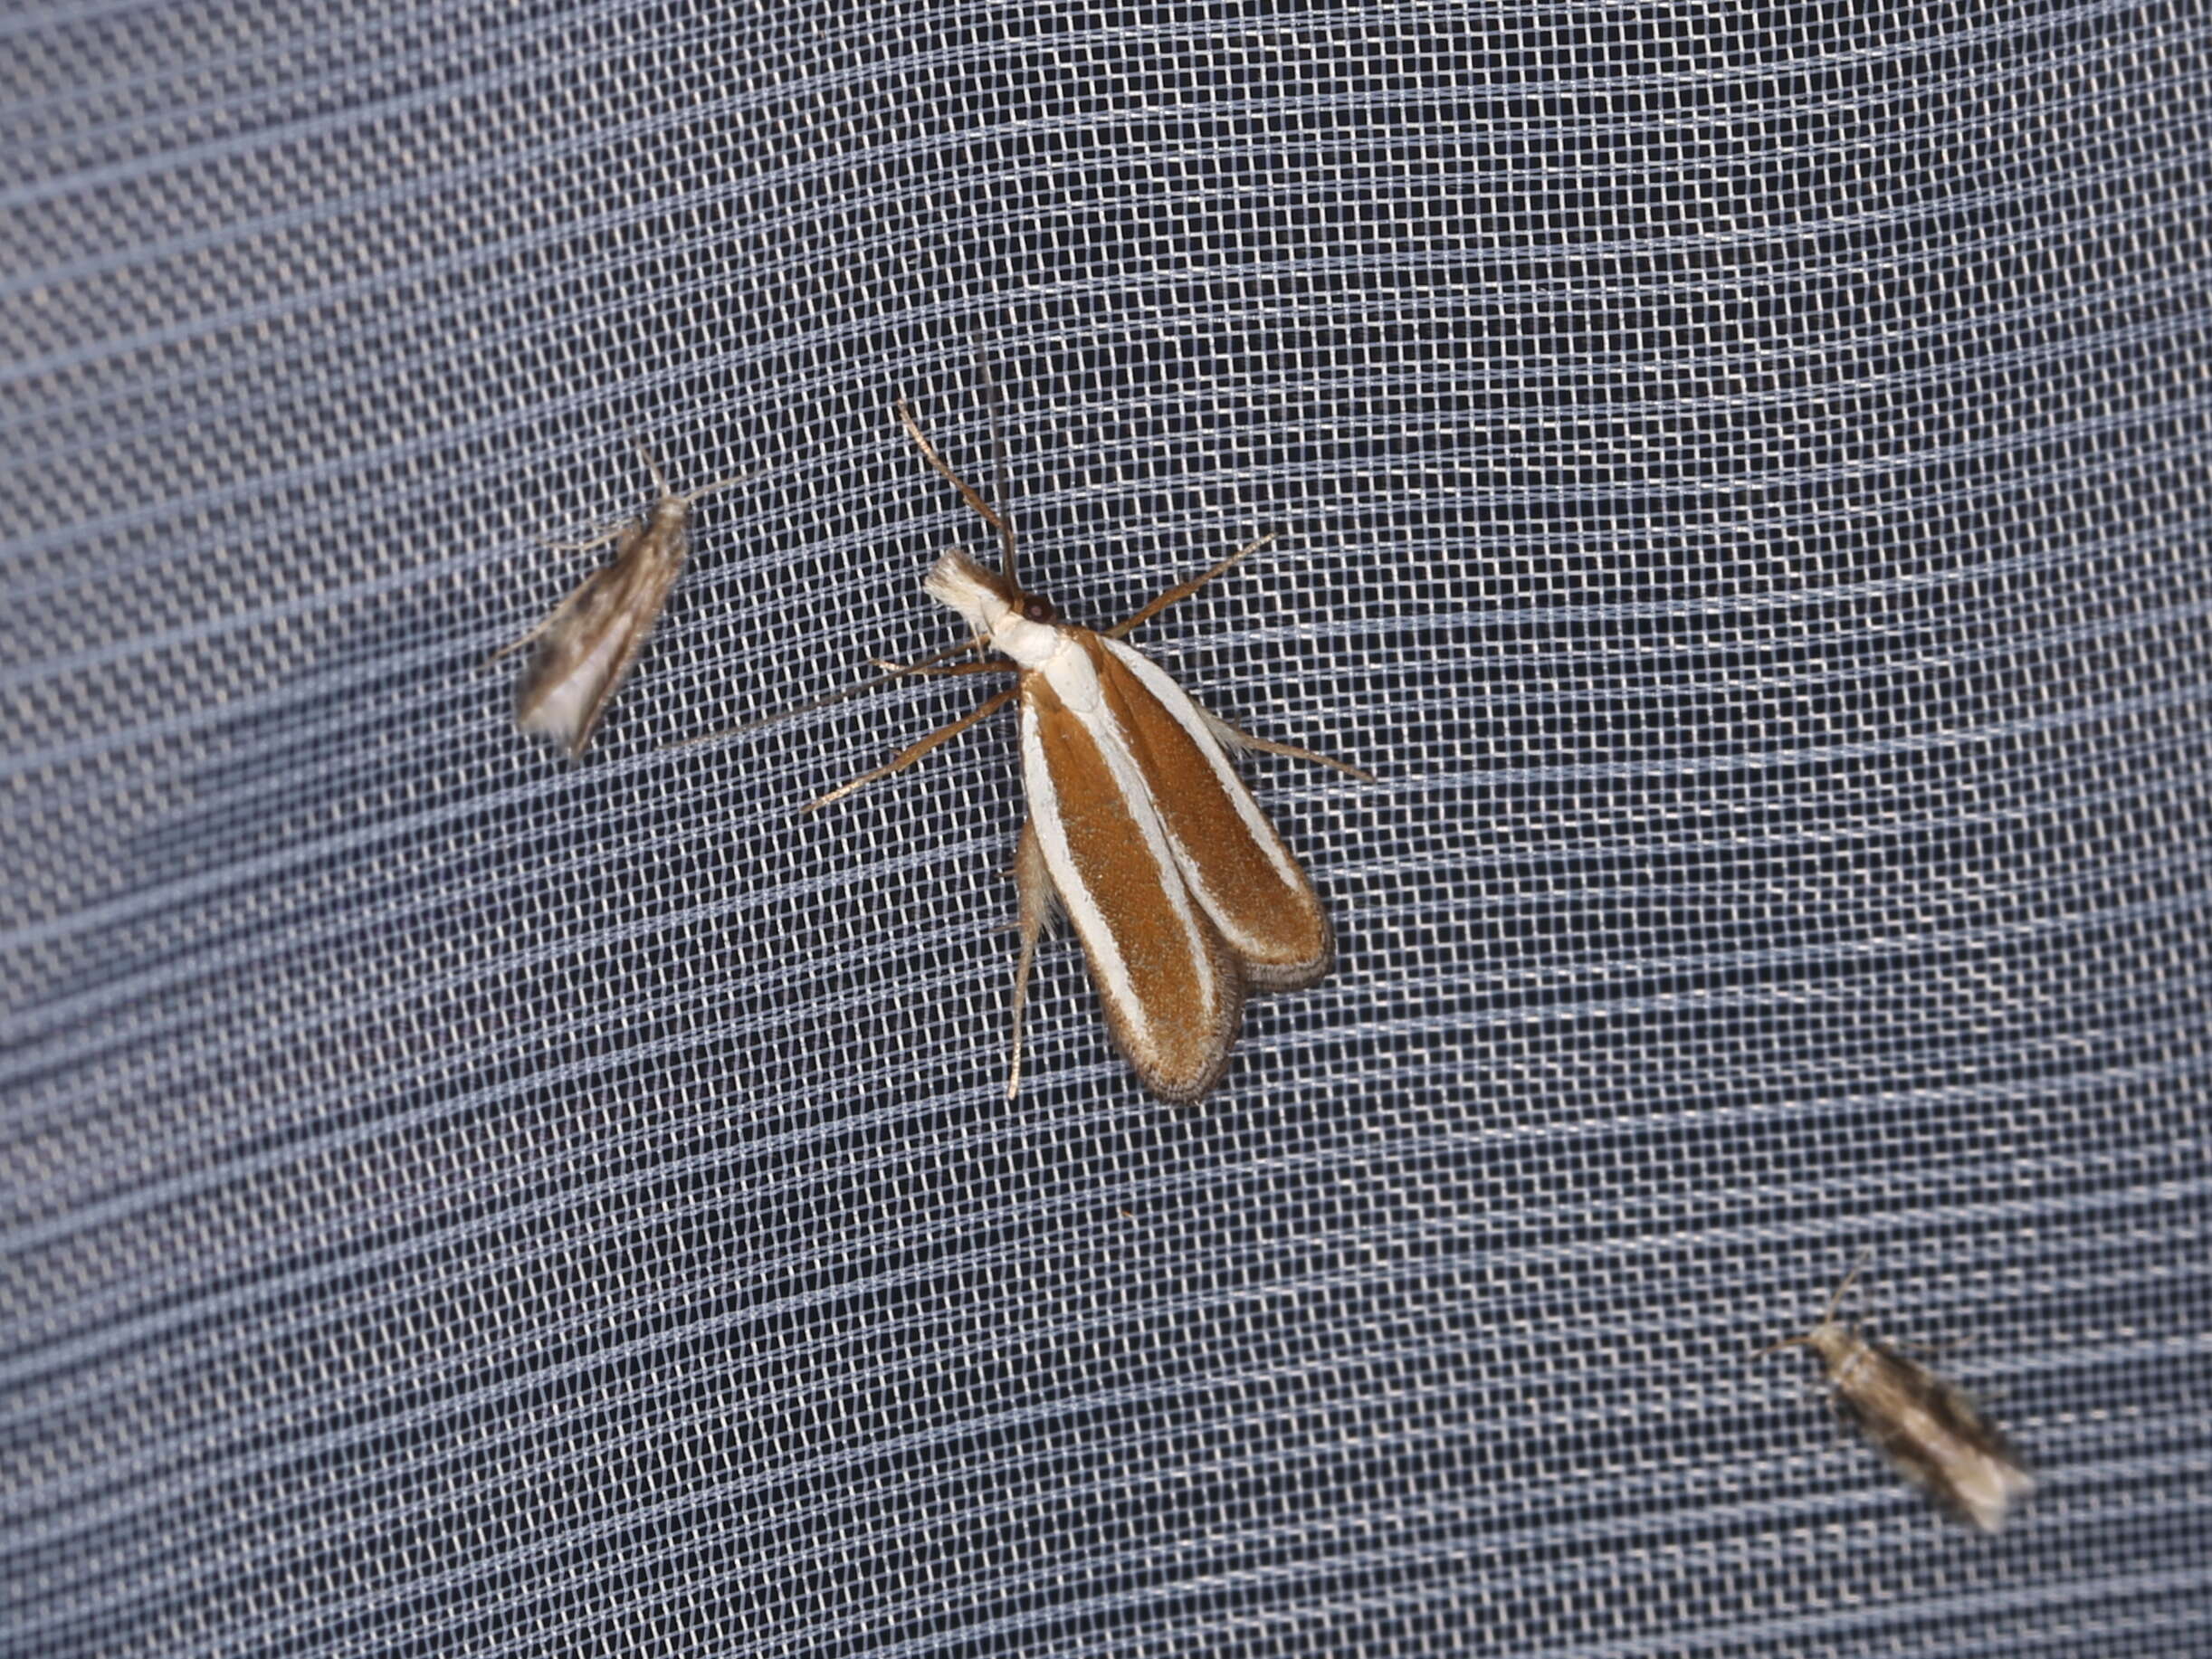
point(1933, 1435)
point(1251, 889)
point(1033, 884)
point(588, 644)
point(1173, 994)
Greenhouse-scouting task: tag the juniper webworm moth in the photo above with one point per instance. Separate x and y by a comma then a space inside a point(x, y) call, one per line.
point(1929, 1429)
point(1179, 890)
point(587, 644)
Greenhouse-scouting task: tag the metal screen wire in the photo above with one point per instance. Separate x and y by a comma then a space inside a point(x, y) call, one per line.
point(1742, 484)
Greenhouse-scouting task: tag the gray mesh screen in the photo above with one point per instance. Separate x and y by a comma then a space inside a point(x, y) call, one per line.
point(1743, 482)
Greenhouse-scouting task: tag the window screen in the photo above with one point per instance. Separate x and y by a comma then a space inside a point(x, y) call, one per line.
point(1741, 483)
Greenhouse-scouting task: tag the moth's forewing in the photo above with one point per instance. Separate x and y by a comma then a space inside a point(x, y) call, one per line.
point(1172, 991)
point(1934, 1434)
point(1250, 887)
point(1929, 1429)
point(594, 638)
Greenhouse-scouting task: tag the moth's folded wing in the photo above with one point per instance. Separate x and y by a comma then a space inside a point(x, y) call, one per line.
point(593, 641)
point(1250, 886)
point(1173, 994)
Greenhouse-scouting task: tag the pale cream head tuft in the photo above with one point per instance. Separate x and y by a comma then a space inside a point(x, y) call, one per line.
point(956, 580)
point(1022, 626)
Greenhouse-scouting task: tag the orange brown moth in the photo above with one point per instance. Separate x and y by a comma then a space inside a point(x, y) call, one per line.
point(594, 636)
point(1928, 1428)
point(1179, 890)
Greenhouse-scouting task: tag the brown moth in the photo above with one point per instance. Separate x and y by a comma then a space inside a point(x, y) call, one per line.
point(1178, 888)
point(1927, 1427)
point(587, 644)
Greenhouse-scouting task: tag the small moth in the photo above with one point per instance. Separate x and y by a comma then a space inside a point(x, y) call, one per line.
point(1927, 1426)
point(588, 643)
point(1178, 888)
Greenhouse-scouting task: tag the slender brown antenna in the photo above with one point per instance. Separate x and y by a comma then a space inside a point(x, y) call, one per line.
point(999, 499)
point(967, 493)
point(1837, 1301)
point(1828, 1315)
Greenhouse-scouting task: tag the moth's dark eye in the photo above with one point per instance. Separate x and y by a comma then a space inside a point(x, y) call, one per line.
point(1039, 608)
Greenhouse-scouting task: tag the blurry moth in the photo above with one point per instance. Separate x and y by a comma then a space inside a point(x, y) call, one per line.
point(1930, 1430)
point(1179, 890)
point(588, 643)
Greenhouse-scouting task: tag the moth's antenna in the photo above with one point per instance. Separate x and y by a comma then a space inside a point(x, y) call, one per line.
point(945, 472)
point(996, 409)
point(1837, 1301)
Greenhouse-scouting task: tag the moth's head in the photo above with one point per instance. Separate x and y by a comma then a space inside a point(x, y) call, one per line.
point(1832, 1340)
point(983, 597)
point(1829, 1340)
point(992, 603)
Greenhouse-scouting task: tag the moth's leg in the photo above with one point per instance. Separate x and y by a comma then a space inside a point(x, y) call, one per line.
point(928, 665)
point(554, 618)
point(1033, 885)
point(896, 671)
point(914, 751)
point(622, 533)
point(1236, 738)
point(1821, 1387)
point(1183, 590)
point(930, 670)
point(600, 541)
point(513, 645)
point(1228, 733)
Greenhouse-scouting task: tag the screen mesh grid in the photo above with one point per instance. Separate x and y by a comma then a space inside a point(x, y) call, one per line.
point(1741, 477)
